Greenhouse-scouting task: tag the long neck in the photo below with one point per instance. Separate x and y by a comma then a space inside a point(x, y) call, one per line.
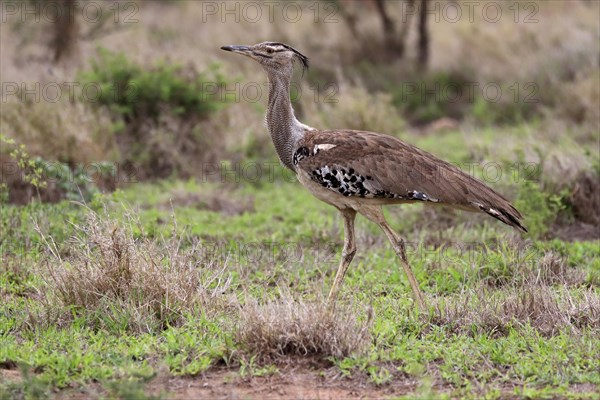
point(283, 126)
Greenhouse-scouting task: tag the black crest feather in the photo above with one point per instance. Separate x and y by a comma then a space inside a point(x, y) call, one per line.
point(299, 56)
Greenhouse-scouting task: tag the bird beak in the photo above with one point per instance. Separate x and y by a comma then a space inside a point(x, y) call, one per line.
point(237, 49)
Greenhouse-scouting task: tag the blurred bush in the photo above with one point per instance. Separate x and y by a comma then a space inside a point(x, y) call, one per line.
point(128, 123)
point(136, 92)
point(432, 96)
point(540, 208)
point(157, 111)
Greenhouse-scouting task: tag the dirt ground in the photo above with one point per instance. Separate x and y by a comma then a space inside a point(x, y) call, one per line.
point(302, 383)
point(292, 382)
point(299, 381)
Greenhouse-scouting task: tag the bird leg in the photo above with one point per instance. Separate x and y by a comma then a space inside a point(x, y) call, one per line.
point(400, 249)
point(347, 255)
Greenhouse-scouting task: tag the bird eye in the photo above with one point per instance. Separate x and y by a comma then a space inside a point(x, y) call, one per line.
point(270, 50)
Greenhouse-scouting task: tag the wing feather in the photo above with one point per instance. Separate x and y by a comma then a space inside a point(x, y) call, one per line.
point(387, 167)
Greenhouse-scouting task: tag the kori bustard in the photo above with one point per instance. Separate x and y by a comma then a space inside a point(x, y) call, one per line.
point(359, 172)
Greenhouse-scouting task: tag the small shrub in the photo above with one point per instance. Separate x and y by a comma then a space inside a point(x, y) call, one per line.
point(507, 110)
point(432, 97)
point(456, 95)
point(31, 167)
point(289, 327)
point(119, 283)
point(32, 177)
point(549, 311)
point(539, 208)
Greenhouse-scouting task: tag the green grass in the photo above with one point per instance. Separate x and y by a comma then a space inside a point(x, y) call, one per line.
point(509, 315)
point(468, 358)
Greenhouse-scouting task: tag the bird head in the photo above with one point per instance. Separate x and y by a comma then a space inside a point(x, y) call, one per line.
point(274, 57)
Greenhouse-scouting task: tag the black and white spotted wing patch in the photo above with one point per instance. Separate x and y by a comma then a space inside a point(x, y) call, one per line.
point(349, 182)
point(344, 181)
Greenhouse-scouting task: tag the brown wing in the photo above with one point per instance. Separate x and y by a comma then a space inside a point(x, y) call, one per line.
point(372, 165)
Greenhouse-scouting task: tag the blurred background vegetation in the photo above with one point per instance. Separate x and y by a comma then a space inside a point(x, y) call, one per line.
point(107, 95)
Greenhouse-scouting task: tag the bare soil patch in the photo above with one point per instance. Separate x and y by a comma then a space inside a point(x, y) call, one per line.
point(293, 382)
point(304, 380)
point(10, 374)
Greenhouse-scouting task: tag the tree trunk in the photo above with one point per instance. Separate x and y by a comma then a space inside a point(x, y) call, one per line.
point(423, 35)
point(392, 46)
point(65, 31)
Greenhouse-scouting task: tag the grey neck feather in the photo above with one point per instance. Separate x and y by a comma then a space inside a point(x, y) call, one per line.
point(283, 126)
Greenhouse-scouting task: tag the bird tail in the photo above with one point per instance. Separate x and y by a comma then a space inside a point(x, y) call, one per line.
point(471, 193)
point(503, 211)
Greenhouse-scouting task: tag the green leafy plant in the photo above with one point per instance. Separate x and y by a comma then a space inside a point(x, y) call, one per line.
point(32, 168)
point(77, 184)
point(540, 208)
point(54, 176)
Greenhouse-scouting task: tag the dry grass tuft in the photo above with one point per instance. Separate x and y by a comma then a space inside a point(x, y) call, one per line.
point(585, 197)
point(547, 310)
point(117, 281)
point(525, 267)
point(552, 270)
point(291, 327)
point(549, 296)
